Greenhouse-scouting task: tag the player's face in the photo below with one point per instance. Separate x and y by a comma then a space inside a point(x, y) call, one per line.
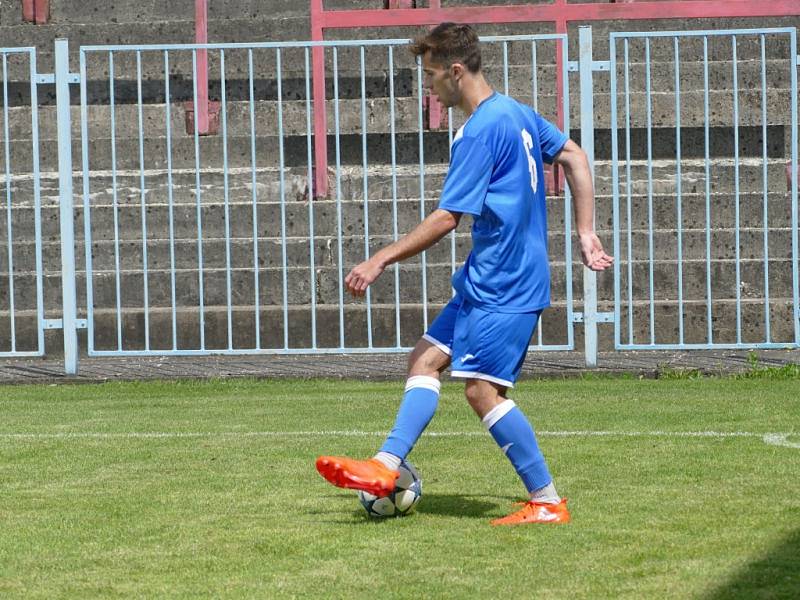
point(440, 81)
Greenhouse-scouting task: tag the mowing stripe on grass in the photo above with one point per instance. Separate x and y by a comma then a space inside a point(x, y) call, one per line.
point(774, 438)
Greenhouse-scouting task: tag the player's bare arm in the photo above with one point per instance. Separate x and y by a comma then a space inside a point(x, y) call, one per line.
point(579, 177)
point(437, 225)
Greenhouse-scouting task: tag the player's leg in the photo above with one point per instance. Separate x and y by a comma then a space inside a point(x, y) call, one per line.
point(430, 356)
point(420, 400)
point(490, 349)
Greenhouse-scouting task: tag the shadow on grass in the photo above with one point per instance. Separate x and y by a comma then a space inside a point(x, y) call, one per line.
point(775, 575)
point(449, 505)
point(459, 505)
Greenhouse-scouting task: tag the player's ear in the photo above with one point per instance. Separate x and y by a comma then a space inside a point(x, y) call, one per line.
point(456, 71)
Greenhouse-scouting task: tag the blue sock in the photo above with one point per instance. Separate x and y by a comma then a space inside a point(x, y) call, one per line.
point(514, 434)
point(416, 411)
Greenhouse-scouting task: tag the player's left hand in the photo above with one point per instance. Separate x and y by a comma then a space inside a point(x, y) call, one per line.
point(362, 275)
point(592, 252)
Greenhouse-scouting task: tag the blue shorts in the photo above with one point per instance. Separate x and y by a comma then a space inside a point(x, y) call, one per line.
point(483, 345)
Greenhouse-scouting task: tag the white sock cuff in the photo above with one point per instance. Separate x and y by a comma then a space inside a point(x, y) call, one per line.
point(497, 413)
point(423, 381)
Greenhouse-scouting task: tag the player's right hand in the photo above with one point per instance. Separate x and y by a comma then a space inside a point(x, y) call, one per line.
point(592, 252)
point(362, 275)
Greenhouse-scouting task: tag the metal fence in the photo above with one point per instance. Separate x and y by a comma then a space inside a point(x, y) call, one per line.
point(725, 267)
point(255, 263)
point(22, 320)
point(195, 244)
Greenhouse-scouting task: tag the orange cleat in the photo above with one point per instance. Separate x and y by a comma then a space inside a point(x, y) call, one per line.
point(537, 512)
point(370, 476)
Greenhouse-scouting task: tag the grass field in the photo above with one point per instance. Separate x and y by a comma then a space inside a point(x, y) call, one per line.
point(190, 489)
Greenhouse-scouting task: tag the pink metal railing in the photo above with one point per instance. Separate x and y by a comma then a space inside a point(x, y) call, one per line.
point(559, 12)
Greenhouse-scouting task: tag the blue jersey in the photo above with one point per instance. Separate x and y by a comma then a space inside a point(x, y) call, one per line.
point(496, 174)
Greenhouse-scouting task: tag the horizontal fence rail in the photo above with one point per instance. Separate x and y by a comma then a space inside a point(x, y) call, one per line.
point(197, 244)
point(705, 238)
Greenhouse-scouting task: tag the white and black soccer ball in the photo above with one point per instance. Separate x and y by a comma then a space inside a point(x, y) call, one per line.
point(402, 501)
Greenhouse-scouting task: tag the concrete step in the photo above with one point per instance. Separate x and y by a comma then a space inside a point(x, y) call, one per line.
point(297, 329)
point(406, 115)
point(327, 278)
point(719, 48)
point(130, 223)
point(383, 183)
point(270, 251)
point(83, 12)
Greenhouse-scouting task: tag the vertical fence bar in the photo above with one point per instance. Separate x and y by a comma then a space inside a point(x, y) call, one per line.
point(281, 169)
point(615, 188)
point(7, 156)
point(535, 104)
point(69, 296)
point(423, 255)
point(143, 200)
point(708, 188)
point(395, 233)
point(505, 68)
point(37, 203)
point(251, 106)
point(310, 184)
point(764, 185)
point(452, 233)
point(170, 203)
point(629, 190)
point(199, 211)
point(338, 192)
point(535, 78)
point(87, 220)
point(650, 258)
point(226, 196)
point(736, 191)
point(587, 143)
point(564, 47)
point(793, 170)
point(115, 199)
point(679, 186)
point(365, 186)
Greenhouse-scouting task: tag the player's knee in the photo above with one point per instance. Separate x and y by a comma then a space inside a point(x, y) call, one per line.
point(426, 360)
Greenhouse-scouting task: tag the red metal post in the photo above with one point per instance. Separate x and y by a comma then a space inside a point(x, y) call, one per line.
point(532, 13)
point(28, 11)
point(201, 37)
point(206, 112)
point(42, 11)
point(320, 116)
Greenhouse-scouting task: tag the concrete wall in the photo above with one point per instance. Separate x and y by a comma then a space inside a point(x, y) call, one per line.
point(119, 199)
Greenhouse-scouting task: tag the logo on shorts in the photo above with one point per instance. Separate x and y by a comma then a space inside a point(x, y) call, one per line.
point(467, 357)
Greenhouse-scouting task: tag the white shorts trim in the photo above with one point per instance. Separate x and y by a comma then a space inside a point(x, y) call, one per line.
point(484, 376)
point(438, 344)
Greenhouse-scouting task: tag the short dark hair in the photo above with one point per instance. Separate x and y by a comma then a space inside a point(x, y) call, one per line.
point(449, 43)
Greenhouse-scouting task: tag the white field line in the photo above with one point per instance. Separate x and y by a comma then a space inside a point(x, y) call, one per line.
point(775, 439)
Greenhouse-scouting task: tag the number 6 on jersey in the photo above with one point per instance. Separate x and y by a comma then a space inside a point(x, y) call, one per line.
point(528, 141)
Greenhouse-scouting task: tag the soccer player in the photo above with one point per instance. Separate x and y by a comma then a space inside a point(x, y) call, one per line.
point(496, 175)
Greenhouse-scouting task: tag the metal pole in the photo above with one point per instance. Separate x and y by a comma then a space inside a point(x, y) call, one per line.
point(69, 297)
point(201, 37)
point(587, 142)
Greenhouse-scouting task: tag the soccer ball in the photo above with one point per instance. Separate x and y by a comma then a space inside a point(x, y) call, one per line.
point(402, 501)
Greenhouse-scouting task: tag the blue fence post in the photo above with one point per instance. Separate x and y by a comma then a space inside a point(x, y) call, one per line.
point(69, 299)
point(585, 67)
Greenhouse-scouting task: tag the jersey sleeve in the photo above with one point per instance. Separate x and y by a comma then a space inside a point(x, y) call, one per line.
point(468, 177)
point(551, 138)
